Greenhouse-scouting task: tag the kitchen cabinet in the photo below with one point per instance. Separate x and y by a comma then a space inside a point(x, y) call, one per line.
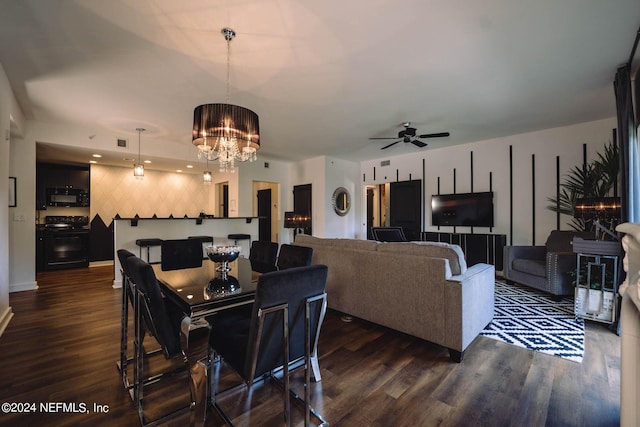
point(49, 175)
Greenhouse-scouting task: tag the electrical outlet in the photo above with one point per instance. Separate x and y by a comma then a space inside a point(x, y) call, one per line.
point(18, 217)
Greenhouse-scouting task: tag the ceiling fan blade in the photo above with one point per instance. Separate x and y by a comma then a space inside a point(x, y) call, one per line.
point(435, 135)
point(387, 146)
point(418, 143)
point(383, 138)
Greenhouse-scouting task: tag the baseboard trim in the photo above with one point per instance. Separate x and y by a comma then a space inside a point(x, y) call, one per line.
point(19, 287)
point(100, 263)
point(5, 319)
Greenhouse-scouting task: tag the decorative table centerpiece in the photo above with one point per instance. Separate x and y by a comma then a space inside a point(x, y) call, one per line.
point(223, 283)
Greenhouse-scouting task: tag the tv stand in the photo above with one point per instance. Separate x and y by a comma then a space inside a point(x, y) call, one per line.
point(477, 248)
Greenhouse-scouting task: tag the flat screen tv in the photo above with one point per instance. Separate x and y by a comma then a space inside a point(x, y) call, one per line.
point(463, 209)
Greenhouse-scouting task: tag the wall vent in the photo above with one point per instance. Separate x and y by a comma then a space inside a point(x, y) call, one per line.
point(122, 143)
point(385, 163)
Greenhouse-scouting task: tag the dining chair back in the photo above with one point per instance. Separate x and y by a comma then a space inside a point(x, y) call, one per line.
point(284, 325)
point(177, 254)
point(291, 256)
point(263, 256)
point(388, 234)
point(127, 297)
point(154, 308)
point(178, 338)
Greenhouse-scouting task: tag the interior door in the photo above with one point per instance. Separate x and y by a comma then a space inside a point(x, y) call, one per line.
point(405, 207)
point(370, 214)
point(264, 212)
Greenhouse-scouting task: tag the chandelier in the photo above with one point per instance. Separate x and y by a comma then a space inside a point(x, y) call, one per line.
point(226, 132)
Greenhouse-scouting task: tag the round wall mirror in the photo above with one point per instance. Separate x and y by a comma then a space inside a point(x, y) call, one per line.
point(341, 201)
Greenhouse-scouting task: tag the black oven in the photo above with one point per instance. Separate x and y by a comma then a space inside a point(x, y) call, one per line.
point(65, 242)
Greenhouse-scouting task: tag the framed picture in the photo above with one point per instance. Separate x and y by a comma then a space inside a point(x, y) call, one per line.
point(12, 192)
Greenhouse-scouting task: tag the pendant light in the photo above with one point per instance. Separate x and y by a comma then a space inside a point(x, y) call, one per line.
point(138, 168)
point(206, 176)
point(226, 132)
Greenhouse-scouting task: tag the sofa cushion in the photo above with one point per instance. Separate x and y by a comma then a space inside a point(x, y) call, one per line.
point(453, 253)
point(530, 266)
point(310, 240)
point(363, 245)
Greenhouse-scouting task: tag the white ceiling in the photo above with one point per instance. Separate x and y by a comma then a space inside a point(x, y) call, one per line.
point(324, 76)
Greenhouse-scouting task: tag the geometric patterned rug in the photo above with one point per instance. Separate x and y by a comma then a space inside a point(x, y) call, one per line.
point(528, 318)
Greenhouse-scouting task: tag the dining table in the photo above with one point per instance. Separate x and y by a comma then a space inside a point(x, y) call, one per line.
point(201, 292)
point(189, 288)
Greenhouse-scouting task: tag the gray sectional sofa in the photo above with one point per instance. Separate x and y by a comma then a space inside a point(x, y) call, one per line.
point(420, 288)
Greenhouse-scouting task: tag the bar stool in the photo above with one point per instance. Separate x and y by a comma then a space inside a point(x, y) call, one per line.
point(236, 237)
point(205, 240)
point(148, 243)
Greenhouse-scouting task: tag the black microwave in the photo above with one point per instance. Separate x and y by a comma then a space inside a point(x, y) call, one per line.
point(71, 197)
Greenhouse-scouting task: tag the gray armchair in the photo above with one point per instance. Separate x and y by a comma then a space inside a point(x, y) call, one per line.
point(544, 267)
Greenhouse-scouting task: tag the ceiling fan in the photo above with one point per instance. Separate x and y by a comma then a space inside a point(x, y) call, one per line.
point(409, 135)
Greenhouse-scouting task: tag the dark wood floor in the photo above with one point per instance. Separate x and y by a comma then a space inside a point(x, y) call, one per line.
point(63, 342)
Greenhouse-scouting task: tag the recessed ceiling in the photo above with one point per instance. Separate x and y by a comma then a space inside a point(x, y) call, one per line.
point(323, 77)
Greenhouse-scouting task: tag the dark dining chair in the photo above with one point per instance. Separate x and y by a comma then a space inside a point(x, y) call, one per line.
point(263, 256)
point(291, 256)
point(283, 327)
point(127, 298)
point(177, 254)
point(180, 339)
point(388, 234)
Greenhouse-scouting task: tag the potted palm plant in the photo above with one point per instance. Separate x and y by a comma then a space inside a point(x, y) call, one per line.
point(596, 180)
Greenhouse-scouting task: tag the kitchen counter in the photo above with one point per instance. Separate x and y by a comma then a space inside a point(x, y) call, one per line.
point(128, 230)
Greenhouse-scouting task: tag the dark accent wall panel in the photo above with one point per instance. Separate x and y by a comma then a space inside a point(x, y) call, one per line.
point(471, 169)
point(557, 192)
point(477, 248)
point(491, 189)
point(471, 174)
point(100, 240)
point(511, 195)
point(424, 180)
point(533, 199)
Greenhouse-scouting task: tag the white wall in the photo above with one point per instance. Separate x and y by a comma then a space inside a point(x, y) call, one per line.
point(265, 170)
point(493, 156)
point(341, 173)
point(325, 174)
point(11, 122)
point(22, 218)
